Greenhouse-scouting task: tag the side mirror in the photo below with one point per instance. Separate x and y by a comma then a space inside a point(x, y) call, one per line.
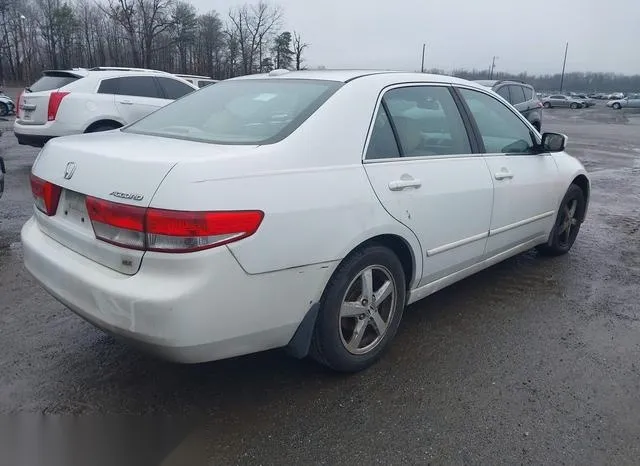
point(553, 142)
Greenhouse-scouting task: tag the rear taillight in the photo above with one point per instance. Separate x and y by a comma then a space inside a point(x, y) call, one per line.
point(55, 99)
point(46, 195)
point(19, 101)
point(118, 224)
point(169, 230)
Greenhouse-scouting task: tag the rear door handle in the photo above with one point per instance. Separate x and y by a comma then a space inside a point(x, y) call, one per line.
point(399, 185)
point(503, 175)
point(126, 102)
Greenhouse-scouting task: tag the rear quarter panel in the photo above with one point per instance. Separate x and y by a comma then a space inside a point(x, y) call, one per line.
point(318, 202)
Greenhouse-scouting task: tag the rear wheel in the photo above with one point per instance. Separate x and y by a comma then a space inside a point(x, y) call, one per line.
point(4, 109)
point(360, 311)
point(574, 105)
point(102, 127)
point(567, 223)
point(547, 105)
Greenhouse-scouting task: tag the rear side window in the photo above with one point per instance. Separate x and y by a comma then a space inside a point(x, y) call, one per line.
point(382, 144)
point(52, 81)
point(426, 121)
point(139, 86)
point(504, 93)
point(202, 84)
point(517, 94)
point(528, 93)
point(250, 111)
point(108, 86)
point(174, 89)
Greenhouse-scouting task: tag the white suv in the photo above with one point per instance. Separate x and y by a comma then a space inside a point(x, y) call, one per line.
point(64, 102)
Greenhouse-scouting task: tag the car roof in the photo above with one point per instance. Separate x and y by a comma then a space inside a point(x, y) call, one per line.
point(346, 76)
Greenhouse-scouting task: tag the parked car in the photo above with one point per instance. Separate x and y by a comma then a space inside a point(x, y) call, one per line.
point(249, 216)
point(584, 100)
point(198, 81)
point(631, 101)
point(65, 102)
point(522, 96)
point(7, 107)
point(615, 96)
point(558, 100)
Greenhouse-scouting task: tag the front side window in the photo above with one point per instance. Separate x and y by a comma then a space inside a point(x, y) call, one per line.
point(173, 89)
point(139, 86)
point(501, 130)
point(249, 111)
point(517, 94)
point(426, 121)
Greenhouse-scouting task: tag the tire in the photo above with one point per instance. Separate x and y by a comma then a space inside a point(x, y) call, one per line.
point(4, 109)
point(547, 105)
point(102, 127)
point(345, 307)
point(617, 106)
point(560, 240)
point(574, 106)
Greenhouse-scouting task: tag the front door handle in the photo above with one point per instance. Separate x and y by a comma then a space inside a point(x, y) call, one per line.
point(505, 175)
point(126, 102)
point(399, 185)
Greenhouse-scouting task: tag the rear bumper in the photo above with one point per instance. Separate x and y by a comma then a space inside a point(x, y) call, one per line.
point(32, 140)
point(38, 135)
point(186, 308)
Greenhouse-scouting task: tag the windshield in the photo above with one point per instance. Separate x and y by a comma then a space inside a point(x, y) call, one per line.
point(252, 111)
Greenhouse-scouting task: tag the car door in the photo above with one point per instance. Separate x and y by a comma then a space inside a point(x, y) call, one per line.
point(422, 166)
point(634, 101)
point(526, 183)
point(137, 96)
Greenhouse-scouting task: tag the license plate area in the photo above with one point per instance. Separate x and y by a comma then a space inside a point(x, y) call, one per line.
point(73, 209)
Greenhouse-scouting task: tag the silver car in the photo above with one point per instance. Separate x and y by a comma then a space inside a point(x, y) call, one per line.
point(631, 101)
point(558, 100)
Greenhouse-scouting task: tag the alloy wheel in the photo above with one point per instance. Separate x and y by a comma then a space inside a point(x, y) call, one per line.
point(367, 309)
point(569, 221)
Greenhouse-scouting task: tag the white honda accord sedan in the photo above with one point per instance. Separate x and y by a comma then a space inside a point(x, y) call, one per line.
point(301, 210)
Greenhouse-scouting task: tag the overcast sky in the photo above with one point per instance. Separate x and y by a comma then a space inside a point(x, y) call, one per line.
point(525, 35)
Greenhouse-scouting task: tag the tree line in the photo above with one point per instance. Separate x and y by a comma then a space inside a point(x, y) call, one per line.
point(169, 35)
point(575, 81)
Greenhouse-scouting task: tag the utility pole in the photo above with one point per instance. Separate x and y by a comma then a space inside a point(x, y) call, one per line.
point(424, 48)
point(493, 65)
point(564, 64)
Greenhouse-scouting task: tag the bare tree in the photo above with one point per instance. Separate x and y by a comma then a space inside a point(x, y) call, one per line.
point(252, 26)
point(298, 49)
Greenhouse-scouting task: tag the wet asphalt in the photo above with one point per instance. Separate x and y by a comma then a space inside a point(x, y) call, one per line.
point(533, 361)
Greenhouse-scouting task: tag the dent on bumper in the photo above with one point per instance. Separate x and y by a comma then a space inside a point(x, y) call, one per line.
point(194, 308)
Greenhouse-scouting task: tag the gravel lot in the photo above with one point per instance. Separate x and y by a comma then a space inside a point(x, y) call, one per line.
point(534, 361)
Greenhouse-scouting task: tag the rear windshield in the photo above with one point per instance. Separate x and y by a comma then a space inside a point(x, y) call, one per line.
point(52, 81)
point(252, 111)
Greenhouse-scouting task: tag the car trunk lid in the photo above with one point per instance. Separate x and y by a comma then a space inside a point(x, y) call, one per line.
point(120, 167)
